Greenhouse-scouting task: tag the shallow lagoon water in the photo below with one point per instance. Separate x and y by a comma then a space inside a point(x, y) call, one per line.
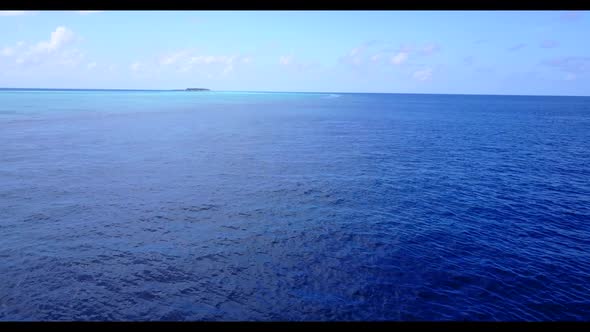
point(172, 205)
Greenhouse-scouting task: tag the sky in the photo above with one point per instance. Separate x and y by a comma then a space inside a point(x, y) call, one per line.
point(458, 52)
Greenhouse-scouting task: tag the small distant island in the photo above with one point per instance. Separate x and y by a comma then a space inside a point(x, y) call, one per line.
point(197, 89)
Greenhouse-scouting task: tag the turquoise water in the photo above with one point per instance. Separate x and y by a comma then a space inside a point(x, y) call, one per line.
point(45, 103)
point(173, 205)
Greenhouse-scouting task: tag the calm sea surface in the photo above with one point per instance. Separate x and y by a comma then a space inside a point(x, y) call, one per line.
point(155, 205)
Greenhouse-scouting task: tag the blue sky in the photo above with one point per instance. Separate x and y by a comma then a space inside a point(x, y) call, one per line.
point(472, 52)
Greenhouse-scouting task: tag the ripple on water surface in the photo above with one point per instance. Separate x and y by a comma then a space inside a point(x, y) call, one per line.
point(181, 206)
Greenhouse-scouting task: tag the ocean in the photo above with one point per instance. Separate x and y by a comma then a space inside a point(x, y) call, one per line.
point(173, 205)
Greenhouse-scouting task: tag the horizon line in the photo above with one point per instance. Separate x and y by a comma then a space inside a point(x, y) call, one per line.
point(326, 92)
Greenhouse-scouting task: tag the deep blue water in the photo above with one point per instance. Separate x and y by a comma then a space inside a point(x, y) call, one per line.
point(154, 205)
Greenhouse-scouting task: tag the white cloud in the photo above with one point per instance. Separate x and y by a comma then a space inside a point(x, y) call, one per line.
point(369, 54)
point(376, 57)
point(86, 12)
point(187, 60)
point(211, 59)
point(291, 62)
point(173, 58)
point(226, 61)
point(52, 51)
point(423, 74)
point(60, 37)
point(7, 51)
point(399, 58)
point(228, 69)
point(91, 65)
point(286, 60)
point(355, 56)
point(136, 66)
point(71, 57)
point(185, 68)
